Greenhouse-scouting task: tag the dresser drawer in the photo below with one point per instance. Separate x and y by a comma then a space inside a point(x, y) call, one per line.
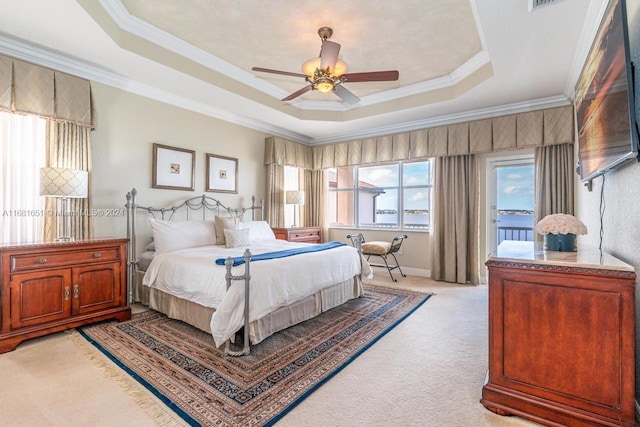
point(299, 234)
point(49, 260)
point(303, 235)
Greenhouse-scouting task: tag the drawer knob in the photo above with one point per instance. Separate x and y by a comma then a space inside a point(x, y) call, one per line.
point(42, 260)
point(97, 255)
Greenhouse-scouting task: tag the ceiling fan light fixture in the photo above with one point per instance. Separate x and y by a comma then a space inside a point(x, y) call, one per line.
point(340, 68)
point(324, 87)
point(310, 66)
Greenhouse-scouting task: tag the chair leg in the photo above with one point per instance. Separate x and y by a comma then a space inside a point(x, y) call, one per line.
point(389, 268)
point(398, 264)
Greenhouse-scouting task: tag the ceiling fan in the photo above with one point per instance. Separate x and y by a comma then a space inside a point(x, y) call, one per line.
point(327, 73)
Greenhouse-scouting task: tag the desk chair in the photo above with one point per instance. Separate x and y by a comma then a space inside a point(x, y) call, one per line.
point(380, 249)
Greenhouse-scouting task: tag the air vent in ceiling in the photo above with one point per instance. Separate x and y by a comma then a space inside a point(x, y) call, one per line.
point(537, 4)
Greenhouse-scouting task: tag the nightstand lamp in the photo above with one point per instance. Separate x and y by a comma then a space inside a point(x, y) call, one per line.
point(64, 184)
point(296, 198)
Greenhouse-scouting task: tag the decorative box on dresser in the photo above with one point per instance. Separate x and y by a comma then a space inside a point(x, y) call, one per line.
point(561, 336)
point(299, 234)
point(50, 287)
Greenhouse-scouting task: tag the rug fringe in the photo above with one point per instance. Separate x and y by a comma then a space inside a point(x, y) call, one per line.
point(155, 410)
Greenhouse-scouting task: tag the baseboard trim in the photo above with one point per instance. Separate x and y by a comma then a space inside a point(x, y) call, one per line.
point(406, 270)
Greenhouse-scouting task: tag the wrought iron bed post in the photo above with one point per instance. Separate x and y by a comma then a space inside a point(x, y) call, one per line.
point(247, 277)
point(132, 260)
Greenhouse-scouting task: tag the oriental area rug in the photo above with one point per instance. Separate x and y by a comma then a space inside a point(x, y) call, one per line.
point(182, 367)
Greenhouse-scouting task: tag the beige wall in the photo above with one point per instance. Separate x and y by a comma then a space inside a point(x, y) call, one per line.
point(415, 254)
point(129, 124)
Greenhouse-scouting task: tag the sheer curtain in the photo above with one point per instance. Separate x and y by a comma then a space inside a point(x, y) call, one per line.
point(22, 154)
point(455, 237)
point(69, 146)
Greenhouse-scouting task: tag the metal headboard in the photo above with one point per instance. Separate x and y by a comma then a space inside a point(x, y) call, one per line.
point(191, 206)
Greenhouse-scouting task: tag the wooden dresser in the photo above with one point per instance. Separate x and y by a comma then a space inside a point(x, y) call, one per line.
point(299, 234)
point(50, 287)
point(561, 336)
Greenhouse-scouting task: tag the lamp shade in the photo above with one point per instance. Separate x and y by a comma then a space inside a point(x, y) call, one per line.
point(63, 182)
point(294, 197)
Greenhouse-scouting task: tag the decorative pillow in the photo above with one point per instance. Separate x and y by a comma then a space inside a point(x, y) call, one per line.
point(260, 230)
point(222, 224)
point(377, 248)
point(169, 235)
point(235, 238)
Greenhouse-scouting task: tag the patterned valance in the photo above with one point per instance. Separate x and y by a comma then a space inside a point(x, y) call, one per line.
point(32, 89)
point(524, 130)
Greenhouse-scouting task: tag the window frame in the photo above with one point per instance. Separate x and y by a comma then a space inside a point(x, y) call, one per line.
point(400, 188)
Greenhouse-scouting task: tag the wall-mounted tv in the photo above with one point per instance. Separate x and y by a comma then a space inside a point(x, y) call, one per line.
point(604, 100)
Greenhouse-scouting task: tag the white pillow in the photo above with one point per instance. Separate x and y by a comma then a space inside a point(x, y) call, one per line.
point(169, 235)
point(260, 230)
point(222, 224)
point(235, 238)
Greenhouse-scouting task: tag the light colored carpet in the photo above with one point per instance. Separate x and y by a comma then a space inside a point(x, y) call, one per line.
point(427, 371)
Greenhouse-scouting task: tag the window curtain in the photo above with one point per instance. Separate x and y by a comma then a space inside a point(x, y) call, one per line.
point(274, 205)
point(314, 208)
point(455, 237)
point(22, 154)
point(554, 180)
point(69, 146)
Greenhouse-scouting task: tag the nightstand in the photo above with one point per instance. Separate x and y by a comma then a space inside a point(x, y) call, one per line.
point(299, 234)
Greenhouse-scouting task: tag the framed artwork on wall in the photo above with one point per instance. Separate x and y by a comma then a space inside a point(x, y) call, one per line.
point(173, 168)
point(222, 174)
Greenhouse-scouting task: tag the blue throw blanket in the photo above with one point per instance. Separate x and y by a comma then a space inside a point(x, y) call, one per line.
point(284, 253)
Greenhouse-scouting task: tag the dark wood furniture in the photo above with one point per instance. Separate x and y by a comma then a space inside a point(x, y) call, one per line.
point(50, 287)
point(299, 234)
point(561, 336)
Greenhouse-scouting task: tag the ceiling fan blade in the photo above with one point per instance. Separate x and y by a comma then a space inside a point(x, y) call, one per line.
point(346, 95)
point(284, 73)
point(373, 76)
point(298, 93)
point(329, 55)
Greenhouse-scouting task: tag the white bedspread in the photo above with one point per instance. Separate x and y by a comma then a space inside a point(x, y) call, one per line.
point(192, 274)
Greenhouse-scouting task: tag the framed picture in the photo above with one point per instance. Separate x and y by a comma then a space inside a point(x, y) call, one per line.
point(222, 174)
point(173, 168)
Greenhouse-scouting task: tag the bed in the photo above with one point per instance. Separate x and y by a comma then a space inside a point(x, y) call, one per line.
point(175, 272)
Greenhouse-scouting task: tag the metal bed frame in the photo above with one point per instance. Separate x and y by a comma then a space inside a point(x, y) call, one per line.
point(205, 204)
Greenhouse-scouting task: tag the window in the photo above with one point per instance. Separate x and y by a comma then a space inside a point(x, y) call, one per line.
point(390, 196)
point(22, 154)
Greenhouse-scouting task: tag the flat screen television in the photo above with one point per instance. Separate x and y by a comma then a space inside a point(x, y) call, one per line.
point(604, 99)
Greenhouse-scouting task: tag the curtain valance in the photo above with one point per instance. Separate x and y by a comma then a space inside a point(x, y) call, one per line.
point(32, 89)
point(523, 130)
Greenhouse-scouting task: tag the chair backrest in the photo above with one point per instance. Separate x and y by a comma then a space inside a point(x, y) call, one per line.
point(356, 239)
point(396, 243)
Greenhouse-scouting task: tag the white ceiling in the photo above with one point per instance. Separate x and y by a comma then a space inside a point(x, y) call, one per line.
point(458, 59)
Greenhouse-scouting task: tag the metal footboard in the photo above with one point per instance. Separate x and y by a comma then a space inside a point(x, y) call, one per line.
point(246, 277)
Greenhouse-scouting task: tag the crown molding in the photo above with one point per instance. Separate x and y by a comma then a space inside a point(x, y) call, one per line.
point(46, 58)
point(136, 26)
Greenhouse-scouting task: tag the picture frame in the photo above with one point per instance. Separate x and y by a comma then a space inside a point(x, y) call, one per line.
point(222, 174)
point(173, 168)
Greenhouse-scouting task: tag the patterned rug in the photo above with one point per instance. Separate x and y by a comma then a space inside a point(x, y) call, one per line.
point(181, 366)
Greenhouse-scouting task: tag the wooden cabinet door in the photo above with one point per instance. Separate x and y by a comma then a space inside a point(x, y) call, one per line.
point(95, 287)
point(40, 297)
